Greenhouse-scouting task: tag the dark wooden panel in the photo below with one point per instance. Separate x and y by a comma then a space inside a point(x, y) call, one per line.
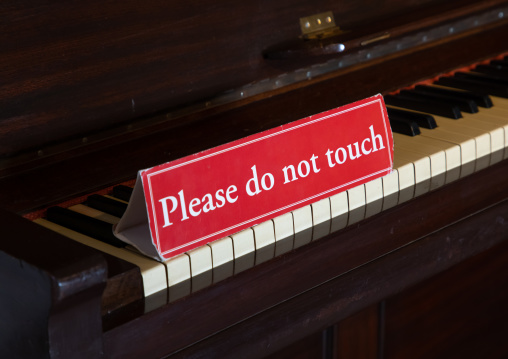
point(357, 336)
point(461, 313)
point(310, 347)
point(74, 68)
point(85, 65)
point(99, 165)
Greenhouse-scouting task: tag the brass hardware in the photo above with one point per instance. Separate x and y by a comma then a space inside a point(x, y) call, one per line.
point(319, 26)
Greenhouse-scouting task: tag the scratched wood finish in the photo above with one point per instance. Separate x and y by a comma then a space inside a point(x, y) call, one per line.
point(84, 66)
point(359, 335)
point(309, 347)
point(101, 165)
point(468, 319)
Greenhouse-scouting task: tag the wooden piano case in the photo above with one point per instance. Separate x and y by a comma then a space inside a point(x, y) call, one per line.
point(93, 91)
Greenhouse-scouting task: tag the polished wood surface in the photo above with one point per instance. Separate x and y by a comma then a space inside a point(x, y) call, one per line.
point(86, 66)
point(468, 318)
point(100, 165)
point(89, 96)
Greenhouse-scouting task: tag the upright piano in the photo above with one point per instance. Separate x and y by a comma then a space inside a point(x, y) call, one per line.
point(93, 91)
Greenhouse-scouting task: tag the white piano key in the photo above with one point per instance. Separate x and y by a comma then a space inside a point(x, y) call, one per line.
point(499, 102)
point(422, 175)
point(479, 130)
point(92, 212)
point(373, 197)
point(153, 272)
point(461, 126)
point(422, 170)
point(339, 211)
point(321, 218)
point(201, 267)
point(466, 143)
point(498, 116)
point(390, 189)
point(423, 146)
point(437, 168)
point(244, 249)
point(179, 276)
point(496, 130)
point(264, 239)
point(495, 115)
point(302, 219)
point(482, 145)
point(356, 202)
point(222, 258)
point(406, 173)
point(451, 150)
point(284, 233)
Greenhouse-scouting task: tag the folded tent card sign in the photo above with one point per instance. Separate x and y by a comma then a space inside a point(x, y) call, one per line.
point(194, 200)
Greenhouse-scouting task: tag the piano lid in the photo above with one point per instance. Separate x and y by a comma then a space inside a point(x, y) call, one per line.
point(72, 70)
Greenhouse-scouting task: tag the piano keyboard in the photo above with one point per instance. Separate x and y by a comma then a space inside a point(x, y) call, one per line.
point(471, 134)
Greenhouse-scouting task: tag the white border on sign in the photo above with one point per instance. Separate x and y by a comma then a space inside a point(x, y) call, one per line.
point(149, 176)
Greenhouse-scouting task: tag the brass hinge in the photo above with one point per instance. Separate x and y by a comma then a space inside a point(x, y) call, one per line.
point(319, 26)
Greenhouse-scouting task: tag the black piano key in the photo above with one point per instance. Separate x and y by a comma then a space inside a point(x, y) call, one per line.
point(463, 104)
point(501, 73)
point(432, 107)
point(422, 119)
point(490, 79)
point(122, 192)
point(482, 100)
point(474, 85)
point(500, 63)
point(89, 226)
point(404, 127)
point(107, 205)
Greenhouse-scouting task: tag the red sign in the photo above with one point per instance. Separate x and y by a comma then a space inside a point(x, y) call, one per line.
point(203, 197)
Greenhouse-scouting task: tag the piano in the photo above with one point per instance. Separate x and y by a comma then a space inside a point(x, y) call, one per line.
point(409, 266)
